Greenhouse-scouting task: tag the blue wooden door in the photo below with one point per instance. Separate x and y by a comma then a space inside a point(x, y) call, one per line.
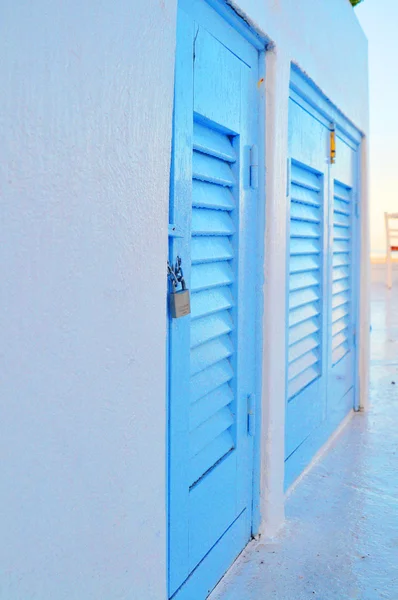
point(321, 286)
point(342, 289)
point(212, 351)
point(306, 281)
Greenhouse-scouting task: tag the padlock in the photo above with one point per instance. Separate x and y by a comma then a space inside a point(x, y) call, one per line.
point(179, 303)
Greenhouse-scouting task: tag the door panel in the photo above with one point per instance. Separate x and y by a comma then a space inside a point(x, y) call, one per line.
point(306, 318)
point(321, 287)
point(342, 296)
point(211, 357)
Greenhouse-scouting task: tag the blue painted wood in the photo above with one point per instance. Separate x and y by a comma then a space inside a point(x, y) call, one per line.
point(211, 249)
point(211, 275)
point(307, 313)
point(300, 459)
point(207, 354)
point(201, 410)
point(213, 170)
point(310, 97)
point(343, 265)
point(207, 573)
point(214, 499)
point(211, 301)
point(179, 332)
point(322, 315)
point(223, 23)
point(205, 195)
point(208, 397)
point(206, 382)
point(213, 143)
point(211, 222)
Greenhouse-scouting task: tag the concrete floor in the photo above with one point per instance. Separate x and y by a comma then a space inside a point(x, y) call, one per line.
point(341, 534)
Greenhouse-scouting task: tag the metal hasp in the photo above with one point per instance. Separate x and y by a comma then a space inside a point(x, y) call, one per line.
point(332, 144)
point(179, 300)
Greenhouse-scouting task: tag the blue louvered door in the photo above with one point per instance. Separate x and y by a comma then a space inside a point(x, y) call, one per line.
point(342, 283)
point(306, 271)
point(321, 286)
point(212, 351)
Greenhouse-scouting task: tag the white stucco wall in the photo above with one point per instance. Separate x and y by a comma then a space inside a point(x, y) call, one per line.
point(324, 37)
point(85, 121)
point(85, 117)
point(326, 41)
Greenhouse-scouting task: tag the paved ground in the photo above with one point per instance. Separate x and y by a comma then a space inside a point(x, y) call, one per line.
point(341, 536)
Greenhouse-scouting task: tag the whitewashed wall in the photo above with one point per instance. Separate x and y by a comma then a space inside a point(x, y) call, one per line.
point(305, 33)
point(85, 116)
point(324, 37)
point(85, 121)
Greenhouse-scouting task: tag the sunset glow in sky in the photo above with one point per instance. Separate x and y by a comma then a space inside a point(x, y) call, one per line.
point(380, 23)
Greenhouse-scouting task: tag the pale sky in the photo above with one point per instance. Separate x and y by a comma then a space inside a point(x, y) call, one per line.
point(379, 19)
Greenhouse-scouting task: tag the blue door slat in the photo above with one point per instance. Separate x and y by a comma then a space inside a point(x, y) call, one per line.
point(302, 330)
point(304, 345)
point(212, 352)
point(304, 196)
point(300, 281)
point(340, 323)
point(212, 142)
point(340, 273)
point(211, 222)
point(299, 247)
point(210, 327)
point(210, 430)
point(211, 301)
point(299, 384)
point(340, 312)
point(203, 461)
point(211, 249)
point(208, 276)
point(342, 220)
point(308, 262)
point(303, 313)
point(341, 233)
point(210, 169)
point(301, 229)
point(207, 381)
point(342, 285)
point(308, 359)
point(301, 212)
point(209, 195)
point(304, 177)
point(303, 297)
point(203, 408)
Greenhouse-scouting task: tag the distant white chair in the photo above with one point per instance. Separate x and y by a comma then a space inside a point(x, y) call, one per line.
point(391, 220)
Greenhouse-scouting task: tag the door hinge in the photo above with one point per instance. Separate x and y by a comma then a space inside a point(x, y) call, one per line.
point(254, 167)
point(251, 415)
point(332, 144)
